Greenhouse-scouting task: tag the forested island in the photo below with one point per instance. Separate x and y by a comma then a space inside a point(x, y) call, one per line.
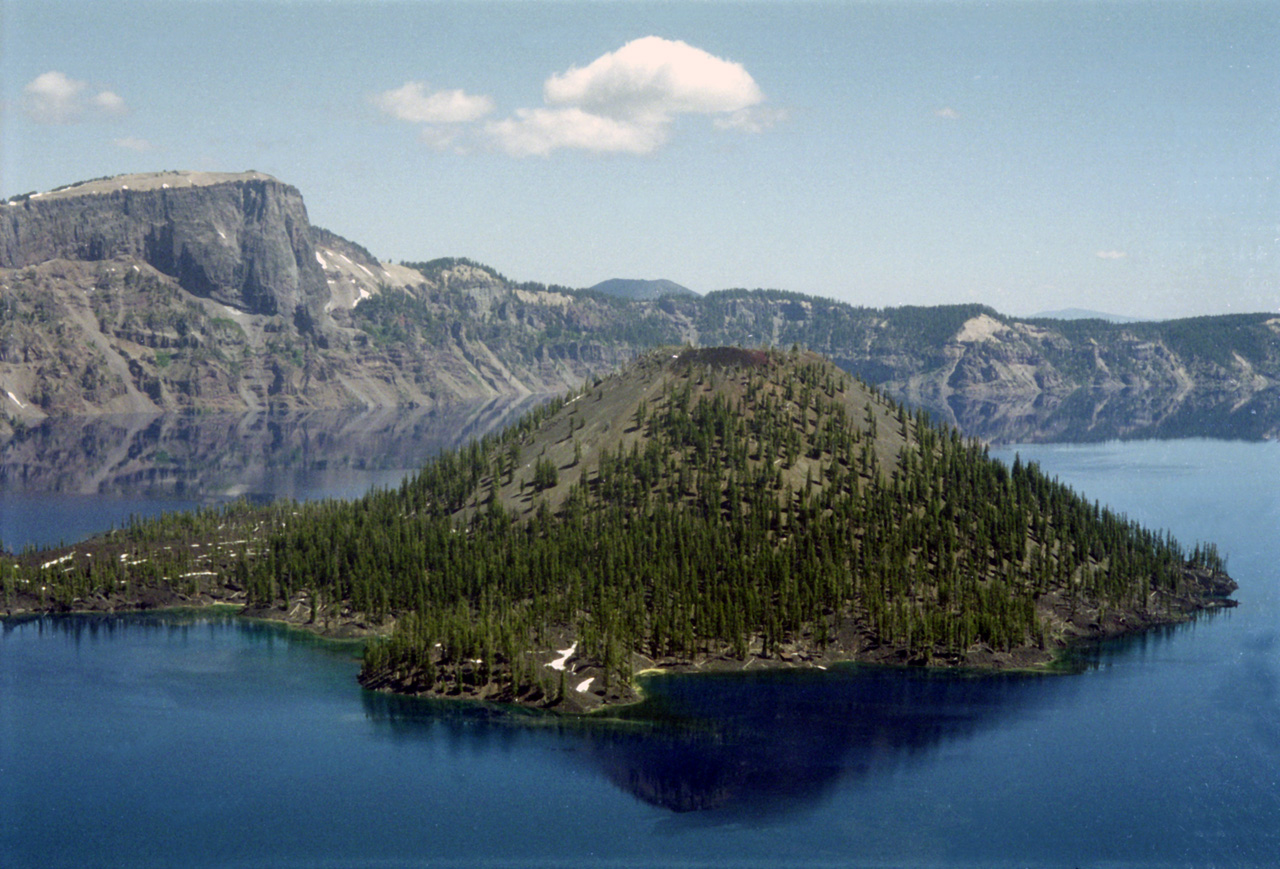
point(702, 508)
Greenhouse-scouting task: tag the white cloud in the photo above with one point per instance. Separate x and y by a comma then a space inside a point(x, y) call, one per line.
point(541, 131)
point(52, 98)
point(55, 98)
point(132, 143)
point(947, 114)
point(411, 102)
point(755, 119)
point(1111, 254)
point(625, 101)
point(654, 77)
point(110, 103)
point(622, 102)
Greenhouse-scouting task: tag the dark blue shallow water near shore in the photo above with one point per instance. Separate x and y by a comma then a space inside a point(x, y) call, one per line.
point(205, 740)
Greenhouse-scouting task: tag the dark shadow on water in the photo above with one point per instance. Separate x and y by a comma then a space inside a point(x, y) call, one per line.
point(752, 746)
point(778, 742)
point(714, 748)
point(747, 745)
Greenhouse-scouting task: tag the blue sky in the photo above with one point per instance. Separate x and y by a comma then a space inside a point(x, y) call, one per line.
point(1123, 157)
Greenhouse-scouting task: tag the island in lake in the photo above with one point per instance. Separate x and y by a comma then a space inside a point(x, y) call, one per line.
point(701, 509)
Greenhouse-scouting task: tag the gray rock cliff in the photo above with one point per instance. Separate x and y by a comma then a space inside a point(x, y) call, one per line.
point(240, 239)
point(212, 292)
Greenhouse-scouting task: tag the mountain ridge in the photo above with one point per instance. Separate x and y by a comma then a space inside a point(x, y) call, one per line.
point(1085, 314)
point(118, 316)
point(636, 289)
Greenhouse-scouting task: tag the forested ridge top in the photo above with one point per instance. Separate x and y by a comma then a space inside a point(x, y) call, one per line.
point(703, 507)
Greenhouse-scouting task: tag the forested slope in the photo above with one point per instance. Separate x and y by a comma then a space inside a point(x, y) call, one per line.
point(703, 507)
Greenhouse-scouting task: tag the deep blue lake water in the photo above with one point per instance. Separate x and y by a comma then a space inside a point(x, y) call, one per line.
point(199, 739)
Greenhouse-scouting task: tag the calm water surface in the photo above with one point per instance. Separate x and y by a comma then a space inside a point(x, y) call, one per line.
point(199, 739)
point(65, 479)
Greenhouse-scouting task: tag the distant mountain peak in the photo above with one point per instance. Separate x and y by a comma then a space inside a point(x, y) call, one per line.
point(638, 290)
point(1084, 314)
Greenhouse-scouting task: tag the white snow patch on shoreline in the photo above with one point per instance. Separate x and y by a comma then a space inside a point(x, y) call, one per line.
point(565, 655)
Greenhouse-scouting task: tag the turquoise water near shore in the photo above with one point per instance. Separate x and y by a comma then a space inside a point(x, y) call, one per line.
point(200, 739)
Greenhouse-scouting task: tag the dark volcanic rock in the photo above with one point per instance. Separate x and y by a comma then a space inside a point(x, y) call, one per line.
point(241, 239)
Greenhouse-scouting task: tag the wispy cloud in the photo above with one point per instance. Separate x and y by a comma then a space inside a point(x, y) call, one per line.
point(625, 101)
point(1111, 254)
point(754, 119)
point(412, 102)
point(445, 115)
point(55, 98)
point(541, 131)
point(947, 113)
point(132, 143)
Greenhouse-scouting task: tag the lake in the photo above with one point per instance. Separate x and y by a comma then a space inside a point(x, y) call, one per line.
point(65, 479)
point(200, 739)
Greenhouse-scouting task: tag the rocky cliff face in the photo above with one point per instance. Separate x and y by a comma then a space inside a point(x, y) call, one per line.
point(191, 291)
point(118, 336)
point(212, 292)
point(1010, 380)
point(239, 239)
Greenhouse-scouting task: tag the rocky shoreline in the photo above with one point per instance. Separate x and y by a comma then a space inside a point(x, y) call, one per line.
point(569, 683)
point(581, 691)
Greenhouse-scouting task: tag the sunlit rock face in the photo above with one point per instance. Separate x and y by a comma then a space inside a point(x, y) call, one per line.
point(241, 239)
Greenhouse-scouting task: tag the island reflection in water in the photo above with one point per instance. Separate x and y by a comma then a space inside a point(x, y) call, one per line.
point(753, 744)
point(64, 480)
point(771, 743)
point(229, 455)
point(714, 747)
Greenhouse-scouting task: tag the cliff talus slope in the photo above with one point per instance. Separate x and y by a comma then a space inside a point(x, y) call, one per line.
point(180, 291)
